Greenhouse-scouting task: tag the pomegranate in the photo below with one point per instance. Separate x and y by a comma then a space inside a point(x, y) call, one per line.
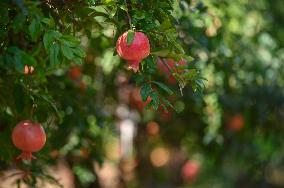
point(136, 51)
point(236, 123)
point(153, 128)
point(190, 170)
point(28, 137)
point(75, 73)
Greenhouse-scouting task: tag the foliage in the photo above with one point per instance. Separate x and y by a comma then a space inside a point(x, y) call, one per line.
point(41, 40)
point(80, 91)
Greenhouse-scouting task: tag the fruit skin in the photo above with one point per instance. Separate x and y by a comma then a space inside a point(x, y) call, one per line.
point(28, 137)
point(190, 170)
point(136, 51)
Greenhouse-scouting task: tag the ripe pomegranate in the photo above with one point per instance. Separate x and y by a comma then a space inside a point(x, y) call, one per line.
point(28, 137)
point(171, 65)
point(153, 128)
point(75, 73)
point(136, 51)
point(236, 123)
point(190, 170)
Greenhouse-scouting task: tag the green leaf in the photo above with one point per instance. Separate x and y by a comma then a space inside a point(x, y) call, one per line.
point(139, 15)
point(49, 38)
point(155, 102)
point(178, 57)
point(78, 61)
point(70, 41)
point(53, 54)
point(123, 7)
point(67, 52)
point(145, 91)
point(139, 79)
point(161, 53)
point(34, 29)
point(166, 24)
point(167, 103)
point(149, 65)
point(164, 87)
point(79, 51)
point(48, 21)
point(27, 59)
point(130, 37)
point(188, 58)
point(18, 22)
point(190, 74)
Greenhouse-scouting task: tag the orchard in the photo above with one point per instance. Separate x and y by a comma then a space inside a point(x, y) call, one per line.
point(141, 93)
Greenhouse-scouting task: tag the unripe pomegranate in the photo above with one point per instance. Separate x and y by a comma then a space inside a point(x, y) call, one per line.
point(136, 51)
point(28, 137)
point(190, 170)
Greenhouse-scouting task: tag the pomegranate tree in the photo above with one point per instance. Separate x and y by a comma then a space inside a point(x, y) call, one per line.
point(134, 52)
point(28, 137)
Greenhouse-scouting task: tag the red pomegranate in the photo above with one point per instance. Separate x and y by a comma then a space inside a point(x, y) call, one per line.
point(173, 66)
point(136, 51)
point(152, 128)
point(28, 137)
point(75, 73)
point(236, 123)
point(190, 170)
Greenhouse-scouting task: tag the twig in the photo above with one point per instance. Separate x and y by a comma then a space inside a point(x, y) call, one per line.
point(34, 106)
point(168, 67)
point(128, 16)
point(172, 73)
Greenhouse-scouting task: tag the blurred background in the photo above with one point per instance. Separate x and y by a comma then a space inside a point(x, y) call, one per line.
point(229, 135)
